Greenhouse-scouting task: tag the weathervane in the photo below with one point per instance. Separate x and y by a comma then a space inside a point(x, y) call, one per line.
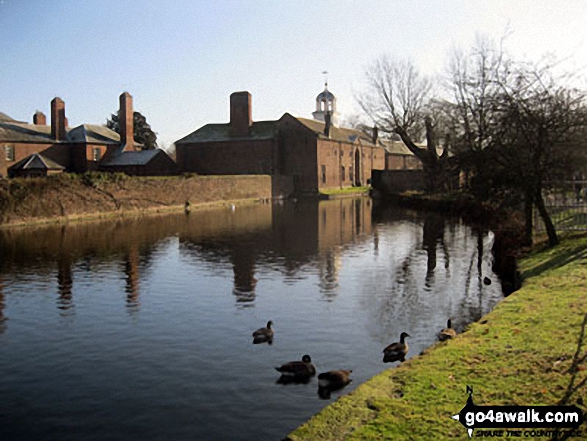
point(325, 73)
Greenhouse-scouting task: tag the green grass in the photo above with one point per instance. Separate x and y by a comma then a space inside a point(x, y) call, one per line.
point(347, 190)
point(519, 354)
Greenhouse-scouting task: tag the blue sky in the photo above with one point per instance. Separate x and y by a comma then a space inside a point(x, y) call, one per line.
point(181, 59)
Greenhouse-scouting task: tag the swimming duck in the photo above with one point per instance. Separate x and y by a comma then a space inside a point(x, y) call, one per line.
point(331, 381)
point(334, 379)
point(447, 333)
point(396, 351)
point(298, 369)
point(263, 335)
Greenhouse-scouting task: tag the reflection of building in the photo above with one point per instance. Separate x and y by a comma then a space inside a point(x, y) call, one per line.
point(322, 229)
point(243, 265)
point(329, 265)
point(131, 271)
point(64, 282)
point(313, 153)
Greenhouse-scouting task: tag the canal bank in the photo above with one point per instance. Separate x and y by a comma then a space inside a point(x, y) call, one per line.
point(524, 352)
point(72, 197)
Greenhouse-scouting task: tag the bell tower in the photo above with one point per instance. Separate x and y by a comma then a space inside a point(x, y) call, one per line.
point(326, 103)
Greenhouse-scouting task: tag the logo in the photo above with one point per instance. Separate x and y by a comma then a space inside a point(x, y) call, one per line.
point(514, 418)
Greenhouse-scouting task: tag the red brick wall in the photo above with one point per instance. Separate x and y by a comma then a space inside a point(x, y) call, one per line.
point(297, 156)
point(227, 157)
point(402, 162)
point(56, 152)
point(336, 154)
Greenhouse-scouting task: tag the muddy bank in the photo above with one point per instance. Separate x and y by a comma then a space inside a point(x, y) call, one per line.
point(71, 197)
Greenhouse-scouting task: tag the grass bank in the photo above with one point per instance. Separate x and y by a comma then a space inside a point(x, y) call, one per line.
point(525, 352)
point(342, 192)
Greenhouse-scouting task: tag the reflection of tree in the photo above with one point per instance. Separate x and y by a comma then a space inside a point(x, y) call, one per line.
point(408, 303)
point(433, 234)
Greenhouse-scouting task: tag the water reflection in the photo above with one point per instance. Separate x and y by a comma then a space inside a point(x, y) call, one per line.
point(288, 238)
point(163, 301)
point(131, 271)
point(64, 284)
point(285, 237)
point(2, 307)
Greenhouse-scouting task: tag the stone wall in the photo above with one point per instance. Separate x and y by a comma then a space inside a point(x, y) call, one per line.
point(94, 195)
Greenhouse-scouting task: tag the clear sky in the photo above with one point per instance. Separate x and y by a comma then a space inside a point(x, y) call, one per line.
point(181, 59)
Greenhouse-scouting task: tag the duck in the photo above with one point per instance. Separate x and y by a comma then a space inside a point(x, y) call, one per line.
point(448, 332)
point(331, 381)
point(263, 335)
point(335, 379)
point(396, 351)
point(298, 369)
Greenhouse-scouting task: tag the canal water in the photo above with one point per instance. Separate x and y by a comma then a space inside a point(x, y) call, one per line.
point(141, 329)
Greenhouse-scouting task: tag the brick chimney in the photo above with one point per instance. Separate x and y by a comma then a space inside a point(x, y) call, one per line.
point(39, 119)
point(241, 115)
point(375, 135)
point(58, 120)
point(327, 124)
point(125, 121)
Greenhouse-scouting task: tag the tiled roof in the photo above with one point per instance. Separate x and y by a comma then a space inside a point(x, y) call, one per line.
point(221, 132)
point(399, 148)
point(14, 131)
point(269, 129)
point(336, 133)
point(132, 158)
point(36, 161)
point(23, 132)
point(90, 133)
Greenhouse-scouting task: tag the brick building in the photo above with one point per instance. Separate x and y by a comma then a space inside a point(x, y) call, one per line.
point(313, 154)
point(399, 157)
point(39, 149)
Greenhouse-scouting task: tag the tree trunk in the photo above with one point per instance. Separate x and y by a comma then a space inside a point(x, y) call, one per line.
point(550, 230)
point(432, 165)
point(528, 217)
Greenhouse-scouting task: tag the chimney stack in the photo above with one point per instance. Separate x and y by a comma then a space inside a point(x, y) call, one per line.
point(375, 135)
point(327, 124)
point(241, 115)
point(39, 119)
point(58, 120)
point(125, 122)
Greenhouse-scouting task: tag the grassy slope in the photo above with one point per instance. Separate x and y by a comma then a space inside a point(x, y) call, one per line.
point(512, 356)
point(347, 190)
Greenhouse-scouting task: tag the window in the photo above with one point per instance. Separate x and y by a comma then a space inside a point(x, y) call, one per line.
point(323, 174)
point(342, 173)
point(9, 152)
point(96, 154)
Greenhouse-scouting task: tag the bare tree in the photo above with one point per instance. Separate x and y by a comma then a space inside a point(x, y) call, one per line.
point(540, 135)
point(397, 100)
